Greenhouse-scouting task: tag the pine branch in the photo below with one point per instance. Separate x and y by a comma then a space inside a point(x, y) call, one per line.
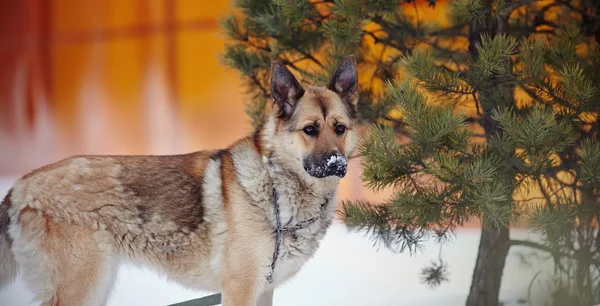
point(453, 31)
point(387, 41)
point(554, 252)
point(515, 5)
point(585, 14)
point(259, 85)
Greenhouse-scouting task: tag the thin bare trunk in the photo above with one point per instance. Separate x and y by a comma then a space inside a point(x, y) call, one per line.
point(487, 276)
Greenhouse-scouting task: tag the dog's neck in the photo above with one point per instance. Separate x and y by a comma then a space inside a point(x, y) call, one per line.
point(288, 175)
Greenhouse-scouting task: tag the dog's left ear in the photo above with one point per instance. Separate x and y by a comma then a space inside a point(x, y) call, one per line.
point(345, 80)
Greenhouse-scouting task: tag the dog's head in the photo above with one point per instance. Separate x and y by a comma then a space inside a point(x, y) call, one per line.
point(313, 126)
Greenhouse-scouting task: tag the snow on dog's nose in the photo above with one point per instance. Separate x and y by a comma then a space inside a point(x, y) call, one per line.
point(334, 165)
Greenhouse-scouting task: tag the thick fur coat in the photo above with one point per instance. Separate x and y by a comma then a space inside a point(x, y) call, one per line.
point(207, 219)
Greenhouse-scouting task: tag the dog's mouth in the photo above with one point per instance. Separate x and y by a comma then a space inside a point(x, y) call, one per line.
point(335, 165)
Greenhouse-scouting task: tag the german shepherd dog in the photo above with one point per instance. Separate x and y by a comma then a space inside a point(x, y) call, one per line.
point(239, 221)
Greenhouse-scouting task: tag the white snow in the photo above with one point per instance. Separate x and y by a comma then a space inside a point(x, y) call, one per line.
point(337, 159)
point(346, 270)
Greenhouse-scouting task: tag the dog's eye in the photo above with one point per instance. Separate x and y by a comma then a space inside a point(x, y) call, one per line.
point(310, 130)
point(340, 129)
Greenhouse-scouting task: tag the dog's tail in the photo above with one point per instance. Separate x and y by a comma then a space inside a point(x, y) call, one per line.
point(8, 265)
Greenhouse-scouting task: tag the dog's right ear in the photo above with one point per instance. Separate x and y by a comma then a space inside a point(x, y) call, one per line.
point(345, 81)
point(285, 89)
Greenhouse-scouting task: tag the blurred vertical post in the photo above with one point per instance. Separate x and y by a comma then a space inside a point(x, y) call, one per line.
point(171, 38)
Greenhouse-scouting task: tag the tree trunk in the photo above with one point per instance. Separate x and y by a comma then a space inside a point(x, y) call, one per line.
point(487, 276)
point(494, 243)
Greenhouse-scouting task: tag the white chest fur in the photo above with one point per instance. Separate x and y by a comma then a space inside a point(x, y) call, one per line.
point(299, 199)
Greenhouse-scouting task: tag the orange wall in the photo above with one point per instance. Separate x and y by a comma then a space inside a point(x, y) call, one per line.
point(123, 76)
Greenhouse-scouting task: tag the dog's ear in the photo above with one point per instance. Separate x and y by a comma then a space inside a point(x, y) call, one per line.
point(345, 80)
point(285, 89)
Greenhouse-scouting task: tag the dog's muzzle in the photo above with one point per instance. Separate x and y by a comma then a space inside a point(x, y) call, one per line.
point(335, 165)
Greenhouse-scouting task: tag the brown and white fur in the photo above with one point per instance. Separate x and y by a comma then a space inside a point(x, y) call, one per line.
point(204, 219)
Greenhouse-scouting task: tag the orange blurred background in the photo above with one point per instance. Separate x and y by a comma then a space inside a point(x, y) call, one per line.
point(119, 77)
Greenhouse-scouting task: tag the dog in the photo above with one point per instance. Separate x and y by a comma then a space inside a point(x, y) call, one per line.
point(240, 221)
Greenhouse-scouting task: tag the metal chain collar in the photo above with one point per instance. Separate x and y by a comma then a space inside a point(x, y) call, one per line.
point(288, 229)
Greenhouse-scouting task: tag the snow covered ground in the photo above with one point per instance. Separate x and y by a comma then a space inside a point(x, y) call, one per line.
point(347, 270)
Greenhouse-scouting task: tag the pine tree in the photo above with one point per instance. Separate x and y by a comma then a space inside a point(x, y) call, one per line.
point(498, 103)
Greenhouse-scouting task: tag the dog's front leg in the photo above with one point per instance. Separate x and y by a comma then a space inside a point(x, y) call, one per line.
point(266, 298)
point(240, 283)
point(239, 291)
